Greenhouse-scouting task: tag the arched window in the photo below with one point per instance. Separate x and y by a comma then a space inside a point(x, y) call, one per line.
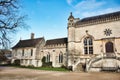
point(88, 45)
point(60, 58)
point(48, 57)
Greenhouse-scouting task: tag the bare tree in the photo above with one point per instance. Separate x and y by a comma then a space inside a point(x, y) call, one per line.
point(10, 20)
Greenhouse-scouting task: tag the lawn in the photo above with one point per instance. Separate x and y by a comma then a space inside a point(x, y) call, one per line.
point(48, 68)
point(43, 68)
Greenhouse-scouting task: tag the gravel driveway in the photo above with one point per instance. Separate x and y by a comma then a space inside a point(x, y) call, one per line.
point(12, 73)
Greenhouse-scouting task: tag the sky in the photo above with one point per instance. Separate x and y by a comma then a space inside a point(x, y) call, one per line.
point(48, 18)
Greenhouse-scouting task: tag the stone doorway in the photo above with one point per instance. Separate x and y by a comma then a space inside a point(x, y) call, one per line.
point(109, 49)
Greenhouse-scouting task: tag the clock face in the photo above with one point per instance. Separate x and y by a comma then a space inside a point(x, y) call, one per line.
point(107, 32)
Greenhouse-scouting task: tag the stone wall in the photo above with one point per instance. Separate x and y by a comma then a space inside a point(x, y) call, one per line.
point(100, 33)
point(54, 51)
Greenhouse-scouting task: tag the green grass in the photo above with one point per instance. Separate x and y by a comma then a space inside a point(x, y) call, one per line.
point(50, 69)
point(43, 68)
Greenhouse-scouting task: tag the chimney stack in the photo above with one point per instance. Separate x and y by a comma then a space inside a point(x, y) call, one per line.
point(32, 35)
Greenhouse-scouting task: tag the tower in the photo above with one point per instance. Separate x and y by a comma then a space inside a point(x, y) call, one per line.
point(71, 39)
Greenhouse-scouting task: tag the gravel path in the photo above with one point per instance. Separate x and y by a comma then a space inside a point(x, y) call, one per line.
point(12, 73)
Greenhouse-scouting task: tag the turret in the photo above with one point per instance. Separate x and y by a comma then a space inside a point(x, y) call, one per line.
point(70, 20)
point(71, 28)
point(71, 39)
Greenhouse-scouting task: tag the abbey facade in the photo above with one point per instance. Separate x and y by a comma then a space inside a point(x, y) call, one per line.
point(93, 44)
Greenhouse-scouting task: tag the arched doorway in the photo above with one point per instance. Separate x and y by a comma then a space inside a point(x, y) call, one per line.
point(109, 47)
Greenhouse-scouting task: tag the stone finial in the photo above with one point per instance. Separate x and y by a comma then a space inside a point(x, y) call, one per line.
point(71, 13)
point(71, 16)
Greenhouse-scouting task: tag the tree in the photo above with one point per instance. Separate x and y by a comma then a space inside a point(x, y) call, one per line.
point(10, 20)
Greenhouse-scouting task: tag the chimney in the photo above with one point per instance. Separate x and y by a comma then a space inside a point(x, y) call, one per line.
point(32, 35)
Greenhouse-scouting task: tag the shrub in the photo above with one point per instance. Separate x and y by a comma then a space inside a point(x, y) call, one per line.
point(43, 59)
point(70, 68)
point(17, 62)
point(46, 64)
point(63, 67)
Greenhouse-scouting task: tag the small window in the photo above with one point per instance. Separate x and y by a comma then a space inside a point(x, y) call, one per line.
point(31, 52)
point(23, 52)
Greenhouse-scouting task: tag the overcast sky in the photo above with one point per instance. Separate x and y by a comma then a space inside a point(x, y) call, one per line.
point(48, 18)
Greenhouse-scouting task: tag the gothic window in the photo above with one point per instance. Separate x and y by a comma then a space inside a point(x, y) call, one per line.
point(88, 45)
point(60, 58)
point(48, 57)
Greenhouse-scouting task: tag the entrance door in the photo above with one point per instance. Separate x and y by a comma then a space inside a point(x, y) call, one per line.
point(109, 47)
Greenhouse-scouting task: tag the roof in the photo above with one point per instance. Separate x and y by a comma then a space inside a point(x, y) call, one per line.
point(27, 43)
point(99, 19)
point(56, 41)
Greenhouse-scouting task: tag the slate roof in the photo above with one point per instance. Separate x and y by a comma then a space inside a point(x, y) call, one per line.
point(27, 43)
point(56, 41)
point(99, 18)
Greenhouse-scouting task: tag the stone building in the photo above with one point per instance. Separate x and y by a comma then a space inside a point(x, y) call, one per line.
point(94, 42)
point(28, 51)
point(55, 51)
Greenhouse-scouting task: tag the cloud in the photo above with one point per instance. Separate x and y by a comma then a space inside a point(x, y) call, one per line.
point(89, 4)
point(87, 8)
point(69, 2)
point(99, 12)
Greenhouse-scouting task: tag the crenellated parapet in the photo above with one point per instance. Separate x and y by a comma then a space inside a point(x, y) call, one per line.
point(111, 17)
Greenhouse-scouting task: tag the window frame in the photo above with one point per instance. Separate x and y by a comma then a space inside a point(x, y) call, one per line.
point(31, 52)
point(48, 57)
point(61, 58)
point(23, 52)
point(88, 45)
